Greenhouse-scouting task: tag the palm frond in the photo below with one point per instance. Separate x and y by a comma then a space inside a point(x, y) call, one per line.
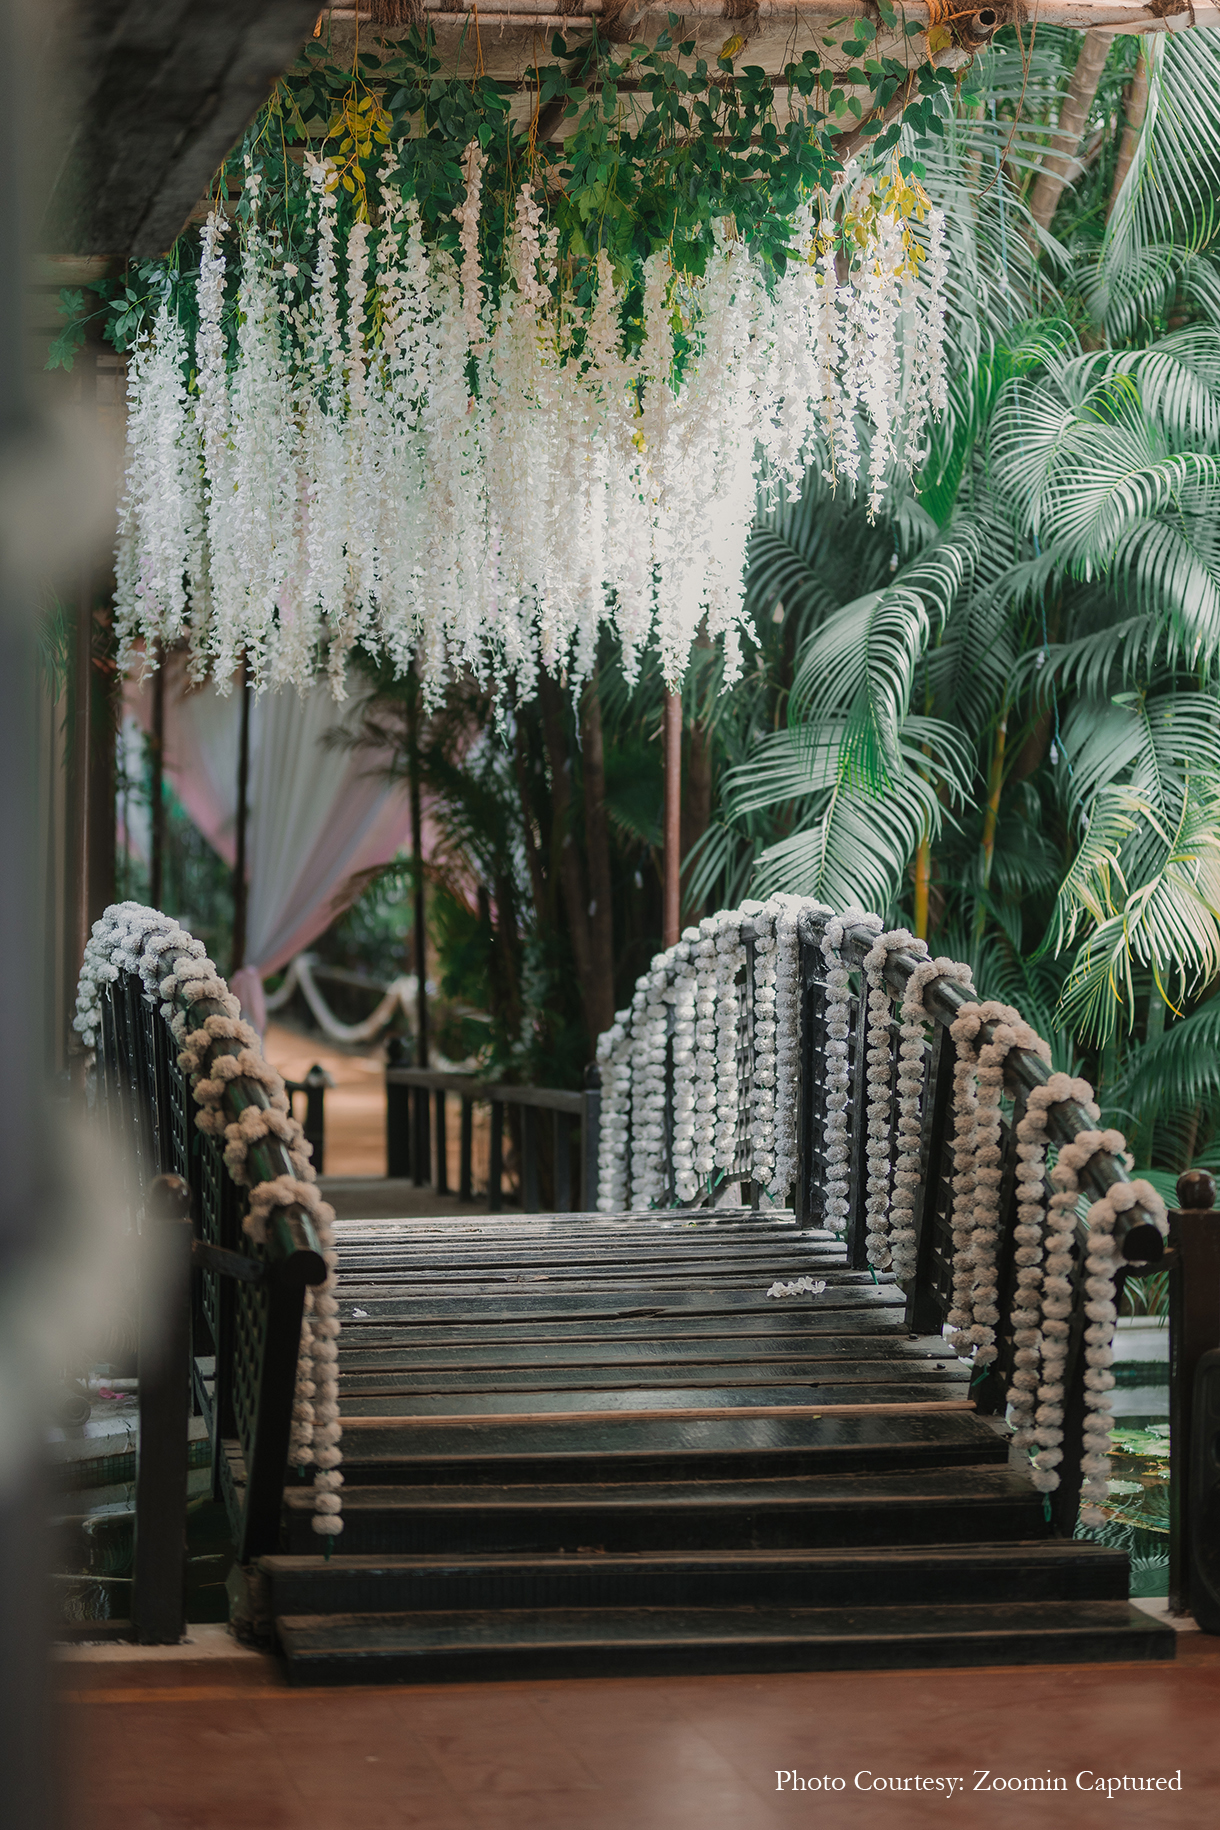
point(1169, 196)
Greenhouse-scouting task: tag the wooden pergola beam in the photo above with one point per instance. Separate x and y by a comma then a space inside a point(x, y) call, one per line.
point(165, 89)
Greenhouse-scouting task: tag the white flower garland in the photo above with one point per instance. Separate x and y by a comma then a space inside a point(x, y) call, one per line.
point(614, 1058)
point(131, 938)
point(787, 1043)
point(703, 1065)
point(912, 1074)
point(685, 1115)
point(978, 1173)
point(838, 1069)
point(652, 1000)
point(730, 960)
point(340, 480)
point(762, 1105)
point(699, 980)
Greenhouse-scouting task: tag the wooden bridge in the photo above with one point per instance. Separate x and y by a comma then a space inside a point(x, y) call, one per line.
point(591, 1443)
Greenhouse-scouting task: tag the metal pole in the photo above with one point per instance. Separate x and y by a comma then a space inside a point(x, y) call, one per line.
point(671, 924)
point(156, 790)
point(241, 887)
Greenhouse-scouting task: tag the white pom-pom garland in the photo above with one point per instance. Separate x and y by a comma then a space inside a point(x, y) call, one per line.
point(174, 968)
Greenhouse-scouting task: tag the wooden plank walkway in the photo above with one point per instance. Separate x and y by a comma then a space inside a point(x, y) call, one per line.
point(580, 1443)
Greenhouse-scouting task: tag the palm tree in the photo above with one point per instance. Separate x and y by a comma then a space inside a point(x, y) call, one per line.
point(1001, 717)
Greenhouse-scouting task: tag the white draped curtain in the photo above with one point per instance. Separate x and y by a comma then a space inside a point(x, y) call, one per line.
point(318, 812)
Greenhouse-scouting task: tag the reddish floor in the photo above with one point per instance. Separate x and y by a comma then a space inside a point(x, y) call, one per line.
point(224, 1745)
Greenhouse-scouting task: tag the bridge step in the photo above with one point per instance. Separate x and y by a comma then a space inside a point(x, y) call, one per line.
point(890, 1576)
point(576, 1642)
point(743, 1446)
point(912, 1507)
point(589, 1444)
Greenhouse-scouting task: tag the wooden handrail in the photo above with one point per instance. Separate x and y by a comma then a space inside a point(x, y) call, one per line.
point(409, 1140)
point(290, 1231)
point(502, 1092)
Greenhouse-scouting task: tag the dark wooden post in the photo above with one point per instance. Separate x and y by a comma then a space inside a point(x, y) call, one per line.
point(397, 1112)
point(1194, 1330)
point(590, 1137)
point(156, 786)
point(267, 1463)
point(466, 1151)
point(495, 1171)
point(158, 1598)
point(241, 886)
point(421, 1152)
point(529, 1160)
point(442, 1145)
point(420, 936)
point(562, 1148)
point(315, 1083)
point(672, 904)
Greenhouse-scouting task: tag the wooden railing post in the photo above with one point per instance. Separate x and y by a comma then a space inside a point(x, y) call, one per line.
point(158, 1597)
point(442, 1145)
point(1194, 1402)
point(397, 1113)
point(590, 1137)
point(421, 1167)
point(561, 1133)
point(529, 1160)
point(316, 1082)
point(268, 1458)
point(466, 1152)
point(495, 1171)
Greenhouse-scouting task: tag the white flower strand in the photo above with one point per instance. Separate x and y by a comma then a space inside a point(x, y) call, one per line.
point(685, 1115)
point(787, 1043)
point(174, 967)
point(762, 1112)
point(730, 960)
point(1043, 1300)
point(444, 480)
point(979, 1173)
point(912, 1074)
point(838, 1071)
point(703, 1065)
point(614, 1058)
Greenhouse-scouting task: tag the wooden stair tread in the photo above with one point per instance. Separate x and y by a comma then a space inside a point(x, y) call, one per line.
point(609, 1351)
point(812, 1491)
point(945, 1438)
point(438, 1645)
point(595, 1444)
point(490, 1380)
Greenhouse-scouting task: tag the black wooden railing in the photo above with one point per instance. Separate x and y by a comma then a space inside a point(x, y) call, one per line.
point(247, 1302)
point(1194, 1402)
point(929, 1291)
point(417, 1137)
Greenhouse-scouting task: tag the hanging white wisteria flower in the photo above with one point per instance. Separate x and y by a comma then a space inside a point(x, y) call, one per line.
point(391, 450)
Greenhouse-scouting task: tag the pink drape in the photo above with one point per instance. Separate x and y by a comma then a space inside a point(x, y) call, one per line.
point(318, 814)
